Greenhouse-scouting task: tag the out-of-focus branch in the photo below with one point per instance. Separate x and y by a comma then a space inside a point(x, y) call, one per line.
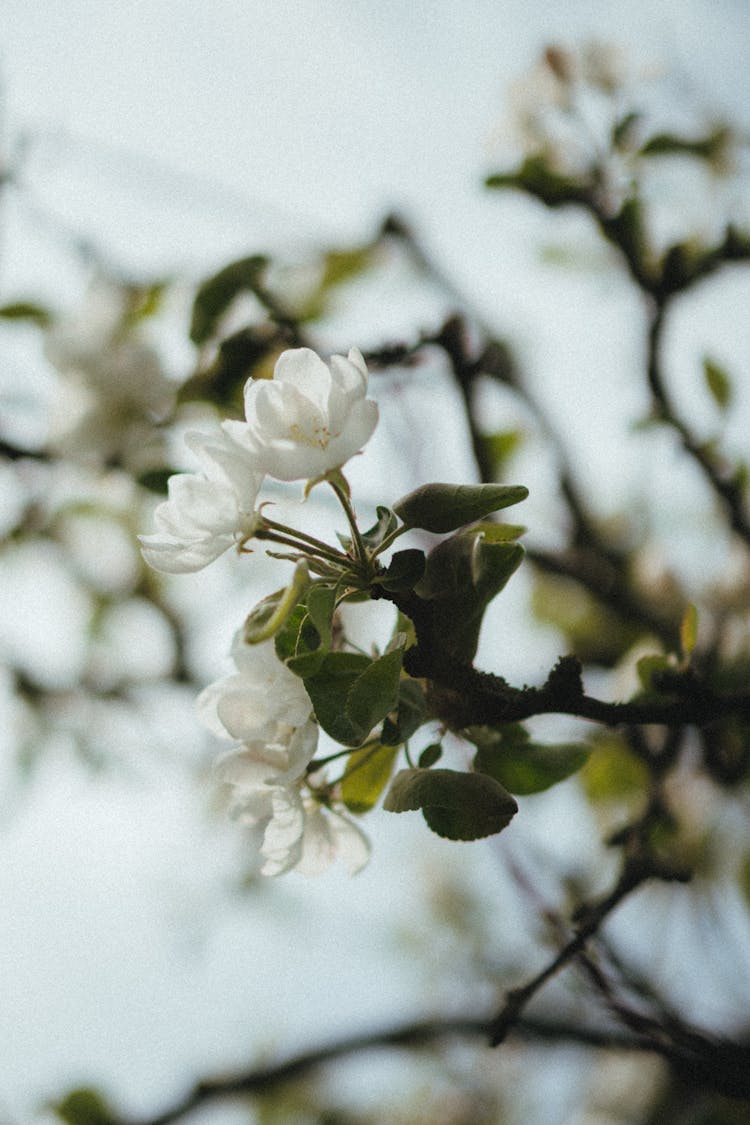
point(723, 483)
point(726, 1065)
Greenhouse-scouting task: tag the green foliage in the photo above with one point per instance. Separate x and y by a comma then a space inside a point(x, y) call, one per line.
point(410, 714)
point(718, 382)
point(613, 772)
point(536, 177)
point(520, 765)
point(27, 310)
point(444, 507)
point(306, 636)
point(368, 771)
point(430, 755)
point(272, 613)
point(385, 525)
point(351, 693)
point(649, 668)
point(689, 630)
point(339, 266)
point(462, 576)
point(84, 1107)
point(458, 806)
point(711, 147)
point(217, 293)
point(500, 447)
point(244, 354)
point(404, 571)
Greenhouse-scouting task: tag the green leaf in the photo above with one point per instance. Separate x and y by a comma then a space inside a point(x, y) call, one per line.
point(708, 148)
point(613, 772)
point(305, 638)
point(84, 1107)
point(351, 693)
point(462, 576)
point(537, 178)
point(431, 754)
point(689, 630)
point(445, 507)
point(216, 294)
point(385, 525)
point(650, 666)
point(155, 480)
point(328, 688)
point(367, 773)
point(522, 766)
point(458, 806)
point(270, 615)
point(718, 383)
point(496, 532)
point(501, 446)
point(375, 692)
point(404, 571)
point(411, 713)
point(26, 310)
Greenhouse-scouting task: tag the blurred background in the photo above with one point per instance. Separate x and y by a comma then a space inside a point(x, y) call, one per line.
point(144, 147)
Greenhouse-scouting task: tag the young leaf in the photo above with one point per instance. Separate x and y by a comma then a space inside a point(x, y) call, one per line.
point(501, 446)
point(328, 688)
point(367, 774)
point(375, 692)
point(26, 310)
point(462, 576)
point(522, 766)
point(689, 630)
point(270, 615)
point(84, 1107)
point(648, 667)
point(458, 806)
point(385, 525)
point(412, 711)
point(216, 294)
point(405, 570)
point(305, 639)
point(718, 383)
point(445, 507)
point(431, 754)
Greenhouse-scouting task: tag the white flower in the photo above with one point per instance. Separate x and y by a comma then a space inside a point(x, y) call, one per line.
point(310, 418)
point(263, 700)
point(298, 832)
point(206, 513)
point(111, 387)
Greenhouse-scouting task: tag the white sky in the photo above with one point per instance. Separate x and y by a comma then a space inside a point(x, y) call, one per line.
point(195, 132)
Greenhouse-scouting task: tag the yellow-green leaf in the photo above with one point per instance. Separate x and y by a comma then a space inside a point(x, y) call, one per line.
point(367, 773)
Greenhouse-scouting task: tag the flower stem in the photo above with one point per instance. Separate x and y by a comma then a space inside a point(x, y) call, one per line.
point(307, 544)
point(359, 546)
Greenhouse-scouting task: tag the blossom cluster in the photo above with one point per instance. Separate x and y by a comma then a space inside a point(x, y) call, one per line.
point(303, 424)
point(266, 708)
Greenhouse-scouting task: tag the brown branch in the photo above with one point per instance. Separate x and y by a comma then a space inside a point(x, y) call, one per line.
point(724, 484)
point(723, 1073)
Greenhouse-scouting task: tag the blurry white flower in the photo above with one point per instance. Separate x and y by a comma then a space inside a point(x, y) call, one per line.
point(299, 832)
point(261, 699)
point(206, 513)
point(112, 387)
point(310, 418)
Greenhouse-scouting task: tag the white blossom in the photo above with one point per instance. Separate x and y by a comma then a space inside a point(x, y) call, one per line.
point(208, 512)
point(298, 831)
point(310, 418)
point(112, 387)
point(261, 698)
